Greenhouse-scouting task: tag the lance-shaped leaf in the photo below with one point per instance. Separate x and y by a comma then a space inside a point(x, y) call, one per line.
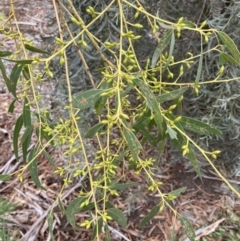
point(6, 79)
point(95, 129)
point(49, 158)
point(100, 103)
point(26, 72)
point(149, 216)
point(15, 74)
point(192, 157)
point(97, 229)
point(122, 186)
point(87, 98)
point(175, 94)
point(5, 53)
point(180, 141)
point(188, 24)
point(17, 129)
point(35, 50)
point(151, 101)
point(226, 58)
point(26, 138)
point(118, 216)
point(177, 192)
point(161, 47)
point(199, 70)
point(146, 134)
point(132, 142)
point(11, 106)
point(143, 126)
point(172, 133)
point(26, 61)
point(50, 224)
point(33, 168)
point(26, 113)
point(5, 177)
point(198, 126)
point(107, 233)
point(188, 229)
point(61, 206)
point(231, 46)
point(172, 45)
point(73, 207)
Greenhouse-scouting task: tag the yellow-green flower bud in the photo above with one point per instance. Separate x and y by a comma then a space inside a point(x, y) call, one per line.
point(138, 25)
point(221, 70)
point(203, 24)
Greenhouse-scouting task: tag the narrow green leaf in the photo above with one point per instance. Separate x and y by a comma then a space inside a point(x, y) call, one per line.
point(60, 204)
point(35, 50)
point(5, 53)
point(126, 90)
point(100, 103)
point(122, 186)
point(26, 61)
point(181, 140)
point(33, 168)
point(228, 42)
point(226, 58)
point(48, 157)
point(189, 231)
point(87, 99)
point(88, 207)
point(151, 101)
point(17, 129)
point(172, 45)
point(26, 113)
point(150, 215)
point(118, 216)
point(26, 72)
point(188, 24)
point(109, 204)
point(191, 156)
point(199, 70)
point(173, 234)
point(15, 74)
point(72, 208)
point(172, 133)
point(107, 234)
point(97, 229)
point(11, 106)
point(175, 94)
point(117, 159)
point(141, 128)
point(26, 138)
point(6, 207)
point(5, 177)
point(132, 142)
point(161, 47)
point(95, 129)
point(198, 126)
point(50, 225)
point(145, 119)
point(178, 191)
point(6, 79)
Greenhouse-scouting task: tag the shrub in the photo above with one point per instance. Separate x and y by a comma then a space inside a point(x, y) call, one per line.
point(134, 99)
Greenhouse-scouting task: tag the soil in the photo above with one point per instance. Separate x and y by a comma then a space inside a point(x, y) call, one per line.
point(207, 202)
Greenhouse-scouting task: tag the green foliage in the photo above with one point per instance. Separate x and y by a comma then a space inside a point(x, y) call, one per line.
point(134, 102)
point(223, 233)
point(5, 207)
